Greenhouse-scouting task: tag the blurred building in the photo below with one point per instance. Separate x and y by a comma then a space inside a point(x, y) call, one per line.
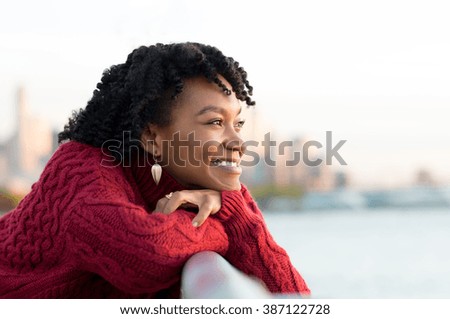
point(342, 180)
point(425, 178)
point(295, 169)
point(3, 165)
point(23, 156)
point(282, 163)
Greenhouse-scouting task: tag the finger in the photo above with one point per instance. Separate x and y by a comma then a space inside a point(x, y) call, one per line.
point(160, 205)
point(203, 213)
point(177, 199)
point(199, 199)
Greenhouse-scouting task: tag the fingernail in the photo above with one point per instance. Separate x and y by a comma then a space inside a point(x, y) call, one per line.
point(195, 224)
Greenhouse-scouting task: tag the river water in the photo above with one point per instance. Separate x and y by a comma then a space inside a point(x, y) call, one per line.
point(376, 253)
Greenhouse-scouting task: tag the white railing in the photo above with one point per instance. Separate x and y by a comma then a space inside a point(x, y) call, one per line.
point(207, 275)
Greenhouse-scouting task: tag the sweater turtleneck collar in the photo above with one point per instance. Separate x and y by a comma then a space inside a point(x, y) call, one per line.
point(140, 171)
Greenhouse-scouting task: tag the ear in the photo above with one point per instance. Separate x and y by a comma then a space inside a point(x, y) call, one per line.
point(152, 140)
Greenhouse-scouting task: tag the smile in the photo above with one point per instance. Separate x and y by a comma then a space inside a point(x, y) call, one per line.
point(223, 163)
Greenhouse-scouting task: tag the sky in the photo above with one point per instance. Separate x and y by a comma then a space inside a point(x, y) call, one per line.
point(375, 73)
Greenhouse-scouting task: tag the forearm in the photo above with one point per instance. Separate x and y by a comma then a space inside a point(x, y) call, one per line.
point(136, 251)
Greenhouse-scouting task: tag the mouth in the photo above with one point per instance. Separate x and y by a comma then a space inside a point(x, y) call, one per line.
point(218, 162)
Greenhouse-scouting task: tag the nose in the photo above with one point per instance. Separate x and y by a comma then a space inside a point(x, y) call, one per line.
point(234, 142)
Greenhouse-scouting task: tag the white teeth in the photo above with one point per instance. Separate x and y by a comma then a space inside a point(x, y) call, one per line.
point(224, 163)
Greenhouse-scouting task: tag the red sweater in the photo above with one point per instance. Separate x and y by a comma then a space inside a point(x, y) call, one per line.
point(86, 231)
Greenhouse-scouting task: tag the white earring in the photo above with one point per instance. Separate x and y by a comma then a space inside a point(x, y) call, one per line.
point(156, 172)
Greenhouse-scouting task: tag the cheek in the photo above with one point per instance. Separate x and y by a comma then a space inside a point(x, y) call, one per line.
point(194, 150)
point(191, 154)
point(211, 149)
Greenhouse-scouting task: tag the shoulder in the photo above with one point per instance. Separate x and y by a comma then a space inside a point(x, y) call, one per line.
point(75, 155)
point(83, 169)
point(73, 159)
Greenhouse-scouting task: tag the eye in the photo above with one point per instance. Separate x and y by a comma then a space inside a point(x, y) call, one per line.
point(240, 124)
point(216, 122)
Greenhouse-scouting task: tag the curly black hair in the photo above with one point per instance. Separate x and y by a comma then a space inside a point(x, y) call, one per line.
point(140, 91)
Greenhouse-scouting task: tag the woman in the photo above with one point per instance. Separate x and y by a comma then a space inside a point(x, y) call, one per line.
point(126, 200)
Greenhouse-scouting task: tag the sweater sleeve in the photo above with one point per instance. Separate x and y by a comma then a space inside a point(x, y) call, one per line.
point(136, 251)
point(252, 248)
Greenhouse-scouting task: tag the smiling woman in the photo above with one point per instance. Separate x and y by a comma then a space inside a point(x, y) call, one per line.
point(94, 227)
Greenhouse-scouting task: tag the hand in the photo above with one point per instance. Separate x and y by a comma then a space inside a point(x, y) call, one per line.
point(208, 202)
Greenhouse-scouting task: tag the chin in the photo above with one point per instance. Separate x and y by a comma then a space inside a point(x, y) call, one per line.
point(231, 187)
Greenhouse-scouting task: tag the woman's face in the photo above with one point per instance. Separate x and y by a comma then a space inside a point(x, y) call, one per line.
point(202, 147)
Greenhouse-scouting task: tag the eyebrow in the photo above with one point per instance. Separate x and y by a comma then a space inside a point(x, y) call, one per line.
point(214, 108)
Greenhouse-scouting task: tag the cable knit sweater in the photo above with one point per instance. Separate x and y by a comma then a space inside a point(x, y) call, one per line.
point(86, 231)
